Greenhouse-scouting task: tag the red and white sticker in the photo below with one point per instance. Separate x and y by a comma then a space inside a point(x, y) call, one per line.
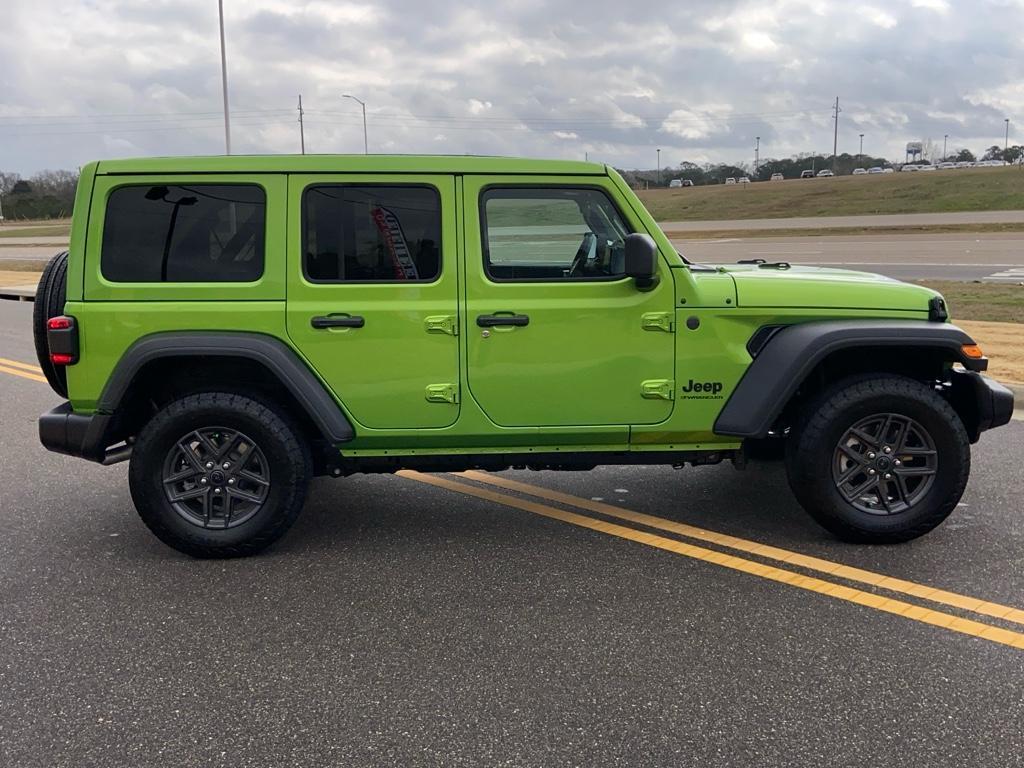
point(391, 230)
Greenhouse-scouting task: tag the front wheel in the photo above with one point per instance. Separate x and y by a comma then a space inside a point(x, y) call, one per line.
point(880, 460)
point(219, 475)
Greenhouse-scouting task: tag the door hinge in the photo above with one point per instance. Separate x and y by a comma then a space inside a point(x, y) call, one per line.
point(657, 321)
point(442, 393)
point(442, 324)
point(658, 389)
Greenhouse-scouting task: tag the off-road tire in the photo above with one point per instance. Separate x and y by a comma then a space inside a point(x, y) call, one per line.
point(812, 451)
point(288, 463)
point(51, 294)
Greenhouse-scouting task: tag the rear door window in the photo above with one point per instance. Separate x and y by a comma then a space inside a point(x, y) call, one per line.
point(371, 234)
point(188, 233)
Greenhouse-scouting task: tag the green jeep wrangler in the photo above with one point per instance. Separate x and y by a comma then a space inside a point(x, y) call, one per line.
point(234, 326)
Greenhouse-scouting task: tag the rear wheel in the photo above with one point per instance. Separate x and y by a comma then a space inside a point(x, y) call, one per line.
point(219, 475)
point(879, 460)
point(51, 294)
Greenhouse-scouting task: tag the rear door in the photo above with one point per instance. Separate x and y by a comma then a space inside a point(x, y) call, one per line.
point(372, 293)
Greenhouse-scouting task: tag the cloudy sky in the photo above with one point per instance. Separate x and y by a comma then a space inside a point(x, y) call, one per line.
point(88, 79)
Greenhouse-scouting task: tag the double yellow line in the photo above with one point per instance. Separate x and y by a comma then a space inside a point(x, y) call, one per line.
point(525, 492)
point(24, 370)
point(763, 570)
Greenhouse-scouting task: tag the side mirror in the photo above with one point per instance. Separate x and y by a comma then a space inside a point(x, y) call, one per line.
point(641, 261)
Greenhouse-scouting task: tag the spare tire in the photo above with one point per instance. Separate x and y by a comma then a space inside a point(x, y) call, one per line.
point(50, 297)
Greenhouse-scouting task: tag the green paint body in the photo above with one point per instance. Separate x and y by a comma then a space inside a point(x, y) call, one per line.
point(602, 366)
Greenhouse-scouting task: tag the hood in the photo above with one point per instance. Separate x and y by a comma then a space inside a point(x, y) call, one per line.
point(757, 286)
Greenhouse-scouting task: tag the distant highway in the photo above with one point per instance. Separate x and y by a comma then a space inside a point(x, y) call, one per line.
point(821, 222)
point(995, 257)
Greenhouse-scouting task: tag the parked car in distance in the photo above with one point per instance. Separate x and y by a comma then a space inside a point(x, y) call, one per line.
point(675, 184)
point(965, 164)
point(808, 174)
point(687, 182)
point(744, 180)
point(926, 168)
point(730, 180)
point(908, 168)
point(888, 170)
point(825, 172)
point(859, 171)
point(875, 169)
point(946, 166)
point(778, 177)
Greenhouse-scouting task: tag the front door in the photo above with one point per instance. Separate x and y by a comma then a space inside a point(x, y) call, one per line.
point(372, 294)
point(556, 334)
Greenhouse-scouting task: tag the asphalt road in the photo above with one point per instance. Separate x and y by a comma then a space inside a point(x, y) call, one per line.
point(402, 623)
point(994, 257)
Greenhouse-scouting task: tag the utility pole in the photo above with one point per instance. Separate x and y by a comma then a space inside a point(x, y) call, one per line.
point(224, 79)
point(835, 135)
point(861, 153)
point(945, 138)
point(302, 128)
point(361, 103)
point(659, 167)
point(1006, 144)
point(757, 154)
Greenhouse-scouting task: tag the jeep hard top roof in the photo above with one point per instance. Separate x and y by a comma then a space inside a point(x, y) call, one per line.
point(460, 164)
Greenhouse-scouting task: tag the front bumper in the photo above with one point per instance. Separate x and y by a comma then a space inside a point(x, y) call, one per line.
point(985, 402)
point(77, 434)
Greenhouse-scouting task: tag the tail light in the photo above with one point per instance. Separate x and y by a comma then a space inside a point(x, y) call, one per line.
point(62, 339)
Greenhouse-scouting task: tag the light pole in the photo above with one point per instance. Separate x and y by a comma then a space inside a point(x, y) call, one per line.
point(1006, 143)
point(361, 103)
point(659, 167)
point(757, 154)
point(224, 78)
point(945, 138)
point(861, 153)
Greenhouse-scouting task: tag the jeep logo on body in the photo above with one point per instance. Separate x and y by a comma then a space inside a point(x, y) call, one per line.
point(710, 389)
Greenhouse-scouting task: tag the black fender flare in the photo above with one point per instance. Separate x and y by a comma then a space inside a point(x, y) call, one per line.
point(789, 355)
point(282, 362)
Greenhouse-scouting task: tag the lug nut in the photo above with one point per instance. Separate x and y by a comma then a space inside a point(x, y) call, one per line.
point(216, 490)
point(898, 463)
point(226, 465)
point(888, 476)
point(887, 449)
point(209, 465)
point(872, 472)
point(231, 481)
point(202, 481)
point(871, 455)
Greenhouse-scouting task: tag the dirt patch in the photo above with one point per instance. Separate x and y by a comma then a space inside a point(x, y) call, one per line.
point(12, 277)
point(1003, 343)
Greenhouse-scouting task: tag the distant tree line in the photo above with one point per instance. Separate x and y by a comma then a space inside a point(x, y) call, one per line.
point(46, 195)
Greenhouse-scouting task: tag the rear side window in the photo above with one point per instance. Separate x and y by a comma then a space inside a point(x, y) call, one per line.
point(194, 233)
point(371, 234)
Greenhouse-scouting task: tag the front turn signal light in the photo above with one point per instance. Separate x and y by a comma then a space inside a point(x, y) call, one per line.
point(972, 351)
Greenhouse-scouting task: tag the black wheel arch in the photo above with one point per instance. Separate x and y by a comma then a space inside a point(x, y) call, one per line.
point(164, 366)
point(806, 356)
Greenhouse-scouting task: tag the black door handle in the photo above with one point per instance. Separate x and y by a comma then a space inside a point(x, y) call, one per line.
point(332, 321)
point(490, 321)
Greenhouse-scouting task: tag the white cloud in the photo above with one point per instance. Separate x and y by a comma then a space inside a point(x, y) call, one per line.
point(85, 79)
